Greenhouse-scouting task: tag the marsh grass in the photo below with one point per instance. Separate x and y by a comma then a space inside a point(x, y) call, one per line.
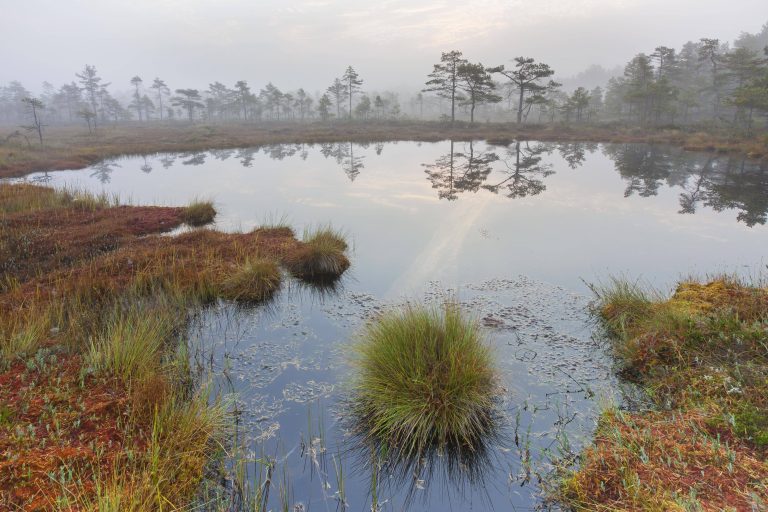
point(325, 236)
point(275, 221)
point(131, 344)
point(184, 434)
point(21, 335)
point(701, 354)
point(93, 304)
point(199, 213)
point(322, 255)
point(255, 280)
point(25, 197)
point(425, 386)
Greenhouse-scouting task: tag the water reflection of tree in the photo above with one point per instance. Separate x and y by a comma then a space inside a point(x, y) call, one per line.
point(742, 186)
point(146, 167)
point(344, 154)
point(102, 171)
point(194, 159)
point(246, 156)
point(574, 153)
point(221, 154)
point(44, 178)
point(524, 170)
point(721, 183)
point(645, 167)
point(281, 151)
point(460, 171)
point(167, 161)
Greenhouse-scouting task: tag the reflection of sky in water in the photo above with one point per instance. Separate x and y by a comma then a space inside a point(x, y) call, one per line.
point(515, 262)
point(580, 226)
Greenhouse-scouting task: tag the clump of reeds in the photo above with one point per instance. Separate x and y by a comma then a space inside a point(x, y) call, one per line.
point(199, 213)
point(253, 281)
point(321, 256)
point(425, 386)
point(22, 333)
point(26, 197)
point(131, 343)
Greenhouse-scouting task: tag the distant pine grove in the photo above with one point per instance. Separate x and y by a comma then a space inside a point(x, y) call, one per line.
point(706, 84)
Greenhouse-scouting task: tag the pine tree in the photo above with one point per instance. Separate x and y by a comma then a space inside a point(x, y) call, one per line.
point(444, 79)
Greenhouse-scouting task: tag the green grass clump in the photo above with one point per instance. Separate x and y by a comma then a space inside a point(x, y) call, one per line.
point(425, 386)
point(326, 236)
point(24, 197)
point(130, 345)
point(321, 257)
point(253, 281)
point(199, 213)
point(21, 335)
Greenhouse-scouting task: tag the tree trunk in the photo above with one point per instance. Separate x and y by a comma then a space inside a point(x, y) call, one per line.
point(520, 105)
point(453, 93)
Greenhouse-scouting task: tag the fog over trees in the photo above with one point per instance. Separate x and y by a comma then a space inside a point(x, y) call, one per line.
point(705, 82)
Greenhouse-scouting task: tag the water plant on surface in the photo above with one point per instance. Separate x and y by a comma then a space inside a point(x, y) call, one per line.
point(425, 386)
point(321, 256)
point(199, 213)
point(253, 281)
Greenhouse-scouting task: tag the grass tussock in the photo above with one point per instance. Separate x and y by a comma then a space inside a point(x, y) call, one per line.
point(322, 256)
point(199, 213)
point(254, 281)
point(22, 335)
point(702, 355)
point(425, 386)
point(130, 345)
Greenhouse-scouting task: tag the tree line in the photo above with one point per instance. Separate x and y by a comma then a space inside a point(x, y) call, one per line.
point(707, 82)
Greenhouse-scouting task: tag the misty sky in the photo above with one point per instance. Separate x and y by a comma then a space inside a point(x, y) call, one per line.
point(392, 43)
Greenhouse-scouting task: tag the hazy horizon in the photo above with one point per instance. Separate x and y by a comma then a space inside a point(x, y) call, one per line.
point(308, 43)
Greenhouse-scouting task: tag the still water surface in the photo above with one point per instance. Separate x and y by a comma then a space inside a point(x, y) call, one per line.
point(513, 232)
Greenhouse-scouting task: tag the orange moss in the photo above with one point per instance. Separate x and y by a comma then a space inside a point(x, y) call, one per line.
point(41, 241)
point(664, 461)
point(56, 419)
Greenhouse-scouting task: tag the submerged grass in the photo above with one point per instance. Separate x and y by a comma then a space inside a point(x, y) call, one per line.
point(702, 355)
point(425, 386)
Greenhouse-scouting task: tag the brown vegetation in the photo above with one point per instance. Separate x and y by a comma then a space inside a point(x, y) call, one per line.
point(95, 412)
point(702, 355)
point(73, 147)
